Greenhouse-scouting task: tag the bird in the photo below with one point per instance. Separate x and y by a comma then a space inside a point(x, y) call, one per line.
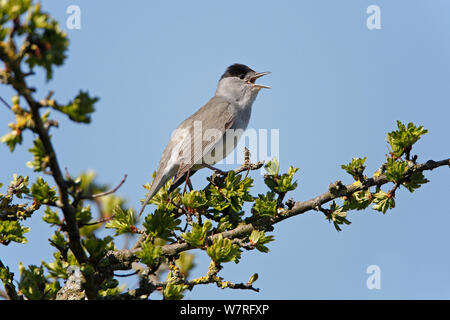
point(229, 110)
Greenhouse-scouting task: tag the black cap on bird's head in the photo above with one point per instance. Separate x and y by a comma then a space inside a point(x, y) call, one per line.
point(237, 70)
point(243, 72)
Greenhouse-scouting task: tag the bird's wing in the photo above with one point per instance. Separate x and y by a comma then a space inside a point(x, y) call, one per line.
point(181, 153)
point(166, 170)
point(214, 118)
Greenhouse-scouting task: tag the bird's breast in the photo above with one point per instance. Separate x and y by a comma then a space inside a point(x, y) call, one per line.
point(230, 139)
point(242, 117)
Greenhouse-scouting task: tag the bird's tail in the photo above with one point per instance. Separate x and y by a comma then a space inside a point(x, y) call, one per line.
point(157, 184)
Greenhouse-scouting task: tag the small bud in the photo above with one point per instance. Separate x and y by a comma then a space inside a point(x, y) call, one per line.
point(253, 278)
point(15, 100)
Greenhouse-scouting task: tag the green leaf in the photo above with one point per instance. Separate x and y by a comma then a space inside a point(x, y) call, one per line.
point(123, 221)
point(272, 167)
point(51, 217)
point(280, 183)
point(34, 285)
point(150, 253)
point(259, 239)
point(223, 250)
point(196, 237)
point(225, 224)
point(401, 140)
point(110, 288)
point(58, 241)
point(12, 231)
point(285, 183)
point(382, 201)
point(58, 268)
point(32, 282)
point(10, 10)
point(415, 181)
point(98, 247)
point(12, 138)
point(163, 199)
point(232, 194)
point(174, 291)
point(338, 216)
point(358, 201)
point(265, 205)
point(6, 276)
point(110, 284)
point(40, 159)
point(48, 42)
point(80, 108)
point(194, 200)
point(355, 168)
point(395, 169)
point(83, 215)
point(3, 33)
point(42, 192)
point(161, 224)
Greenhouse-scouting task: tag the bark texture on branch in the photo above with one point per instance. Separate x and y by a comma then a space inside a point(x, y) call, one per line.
point(122, 259)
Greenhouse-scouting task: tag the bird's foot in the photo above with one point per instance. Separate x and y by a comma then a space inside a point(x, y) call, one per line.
point(217, 171)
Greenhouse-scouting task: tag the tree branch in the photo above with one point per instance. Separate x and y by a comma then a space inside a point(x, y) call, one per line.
point(123, 259)
point(302, 207)
point(20, 85)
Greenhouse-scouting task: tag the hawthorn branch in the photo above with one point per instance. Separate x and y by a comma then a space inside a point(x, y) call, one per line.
point(148, 285)
point(249, 166)
point(302, 207)
point(67, 208)
point(123, 259)
point(219, 282)
point(19, 84)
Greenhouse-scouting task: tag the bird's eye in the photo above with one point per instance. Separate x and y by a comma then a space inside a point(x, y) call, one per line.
point(242, 76)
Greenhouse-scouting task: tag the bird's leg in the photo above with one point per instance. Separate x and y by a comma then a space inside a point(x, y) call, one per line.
point(186, 182)
point(248, 171)
point(223, 173)
point(190, 184)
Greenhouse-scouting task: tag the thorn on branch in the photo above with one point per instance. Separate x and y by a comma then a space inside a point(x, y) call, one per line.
point(126, 275)
point(50, 123)
point(103, 220)
point(102, 194)
point(29, 73)
point(5, 103)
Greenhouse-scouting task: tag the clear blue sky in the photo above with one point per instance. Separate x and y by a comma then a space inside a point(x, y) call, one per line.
point(337, 88)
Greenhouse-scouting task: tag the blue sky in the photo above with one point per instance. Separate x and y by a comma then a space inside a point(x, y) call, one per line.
point(337, 89)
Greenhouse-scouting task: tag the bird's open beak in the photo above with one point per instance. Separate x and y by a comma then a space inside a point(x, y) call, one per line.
point(256, 76)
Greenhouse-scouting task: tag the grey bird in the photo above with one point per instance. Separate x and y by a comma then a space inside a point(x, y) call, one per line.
point(212, 132)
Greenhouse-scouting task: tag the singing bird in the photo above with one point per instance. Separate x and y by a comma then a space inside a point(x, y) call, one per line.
point(188, 150)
